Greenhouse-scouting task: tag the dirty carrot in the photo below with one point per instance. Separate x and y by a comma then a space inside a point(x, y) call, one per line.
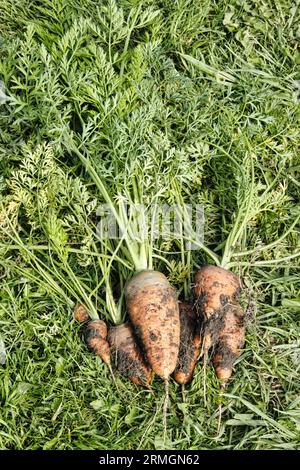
point(154, 312)
point(127, 356)
point(216, 290)
point(80, 313)
point(231, 340)
point(95, 336)
point(189, 348)
point(151, 301)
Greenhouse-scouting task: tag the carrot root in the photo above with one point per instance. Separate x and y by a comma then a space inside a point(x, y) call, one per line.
point(222, 389)
point(183, 393)
point(204, 379)
point(165, 408)
point(113, 376)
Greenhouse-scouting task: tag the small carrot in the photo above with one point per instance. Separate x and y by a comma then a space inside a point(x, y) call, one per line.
point(95, 336)
point(217, 291)
point(80, 313)
point(228, 348)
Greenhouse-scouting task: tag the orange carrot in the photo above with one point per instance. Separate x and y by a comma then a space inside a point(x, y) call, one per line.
point(216, 289)
point(153, 309)
point(231, 340)
point(95, 337)
point(80, 313)
point(154, 312)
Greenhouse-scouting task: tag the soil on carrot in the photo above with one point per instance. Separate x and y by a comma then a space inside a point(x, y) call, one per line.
point(189, 328)
point(223, 356)
point(80, 313)
point(128, 367)
point(93, 330)
point(213, 325)
point(127, 356)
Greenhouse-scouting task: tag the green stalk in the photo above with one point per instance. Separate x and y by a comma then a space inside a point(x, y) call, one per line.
point(185, 260)
point(42, 268)
point(204, 248)
point(267, 262)
point(270, 245)
point(139, 260)
point(240, 222)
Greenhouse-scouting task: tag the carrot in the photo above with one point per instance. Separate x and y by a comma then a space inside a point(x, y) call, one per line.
point(231, 340)
point(154, 312)
point(80, 313)
point(95, 336)
point(216, 289)
point(129, 360)
point(228, 348)
point(189, 349)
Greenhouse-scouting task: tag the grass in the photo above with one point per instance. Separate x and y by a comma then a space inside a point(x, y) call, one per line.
point(204, 94)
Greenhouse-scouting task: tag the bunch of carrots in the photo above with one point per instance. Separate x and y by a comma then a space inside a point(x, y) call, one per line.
point(163, 336)
point(167, 337)
point(158, 334)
